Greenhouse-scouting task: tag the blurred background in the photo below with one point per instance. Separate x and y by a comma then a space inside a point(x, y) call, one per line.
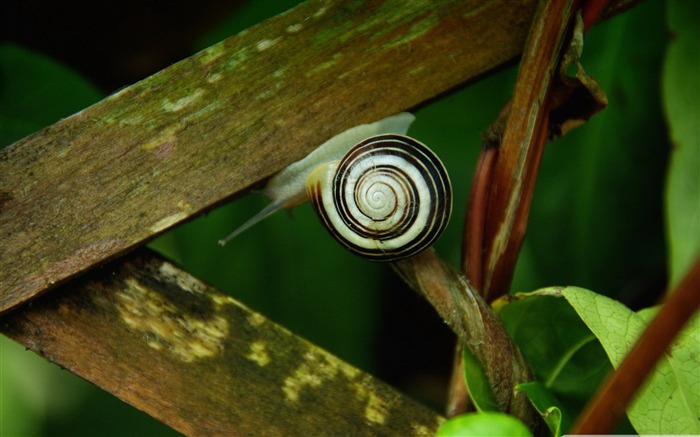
point(596, 221)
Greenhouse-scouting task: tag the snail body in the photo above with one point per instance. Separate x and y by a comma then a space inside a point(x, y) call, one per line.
point(287, 188)
point(289, 185)
point(382, 195)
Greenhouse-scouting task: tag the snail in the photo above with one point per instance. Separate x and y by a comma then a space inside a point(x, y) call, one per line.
point(381, 194)
point(387, 199)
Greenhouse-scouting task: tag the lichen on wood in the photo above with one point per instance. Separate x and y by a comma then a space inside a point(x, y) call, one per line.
point(203, 363)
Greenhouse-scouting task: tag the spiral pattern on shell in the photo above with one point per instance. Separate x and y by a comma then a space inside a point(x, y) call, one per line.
point(387, 199)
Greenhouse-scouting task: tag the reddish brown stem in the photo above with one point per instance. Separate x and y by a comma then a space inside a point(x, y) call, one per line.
point(524, 137)
point(606, 409)
point(476, 242)
point(474, 223)
point(592, 11)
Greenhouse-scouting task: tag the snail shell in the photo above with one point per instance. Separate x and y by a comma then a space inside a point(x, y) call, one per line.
point(387, 199)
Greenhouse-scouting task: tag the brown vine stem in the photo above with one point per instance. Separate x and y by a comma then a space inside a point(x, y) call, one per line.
point(524, 137)
point(475, 220)
point(518, 139)
point(608, 406)
point(505, 176)
point(477, 326)
point(474, 238)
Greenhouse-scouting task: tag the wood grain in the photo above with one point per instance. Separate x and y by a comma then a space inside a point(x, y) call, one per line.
point(203, 363)
point(178, 143)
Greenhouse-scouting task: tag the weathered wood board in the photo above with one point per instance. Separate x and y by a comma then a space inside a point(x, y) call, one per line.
point(203, 363)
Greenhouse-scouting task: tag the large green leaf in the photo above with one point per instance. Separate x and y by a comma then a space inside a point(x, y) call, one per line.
point(562, 339)
point(564, 355)
point(670, 401)
point(681, 95)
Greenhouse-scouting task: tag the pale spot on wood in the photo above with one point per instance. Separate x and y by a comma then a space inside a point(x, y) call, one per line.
point(376, 410)
point(169, 221)
point(214, 77)
point(324, 65)
point(421, 430)
point(358, 69)
point(258, 353)
point(349, 371)
point(265, 44)
point(164, 327)
point(167, 136)
point(265, 95)
point(319, 13)
point(237, 58)
point(211, 54)
point(59, 204)
point(221, 300)
point(182, 102)
point(202, 113)
point(153, 343)
point(313, 372)
point(132, 120)
point(417, 70)
point(256, 319)
point(184, 282)
point(417, 31)
point(294, 28)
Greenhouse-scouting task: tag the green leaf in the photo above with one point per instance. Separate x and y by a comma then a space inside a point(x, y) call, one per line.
point(670, 401)
point(483, 424)
point(478, 385)
point(560, 349)
point(681, 98)
point(36, 91)
point(545, 402)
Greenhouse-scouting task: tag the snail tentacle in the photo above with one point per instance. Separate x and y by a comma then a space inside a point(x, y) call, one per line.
point(263, 214)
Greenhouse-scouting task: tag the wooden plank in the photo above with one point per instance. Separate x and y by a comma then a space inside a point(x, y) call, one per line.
point(165, 149)
point(203, 363)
